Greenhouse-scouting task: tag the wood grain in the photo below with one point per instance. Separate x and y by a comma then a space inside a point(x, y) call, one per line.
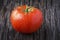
point(50, 29)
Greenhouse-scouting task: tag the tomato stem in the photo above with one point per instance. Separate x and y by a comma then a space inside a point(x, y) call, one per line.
point(28, 9)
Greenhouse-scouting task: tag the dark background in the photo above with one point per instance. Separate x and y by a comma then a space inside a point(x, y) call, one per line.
point(50, 29)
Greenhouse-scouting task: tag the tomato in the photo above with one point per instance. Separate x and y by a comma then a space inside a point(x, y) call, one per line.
point(26, 19)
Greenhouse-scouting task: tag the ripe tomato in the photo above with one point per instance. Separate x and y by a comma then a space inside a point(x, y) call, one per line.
point(26, 19)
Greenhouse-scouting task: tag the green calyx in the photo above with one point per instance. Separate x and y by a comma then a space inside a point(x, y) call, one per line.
point(26, 10)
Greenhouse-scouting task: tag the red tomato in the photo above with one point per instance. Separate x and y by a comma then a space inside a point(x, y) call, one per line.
point(26, 19)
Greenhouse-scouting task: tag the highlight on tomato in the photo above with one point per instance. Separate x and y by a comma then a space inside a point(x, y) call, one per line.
point(26, 19)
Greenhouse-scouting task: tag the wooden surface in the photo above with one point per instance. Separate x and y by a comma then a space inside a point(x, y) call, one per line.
point(50, 29)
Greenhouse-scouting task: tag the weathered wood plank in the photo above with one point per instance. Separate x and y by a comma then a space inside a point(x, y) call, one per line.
point(50, 29)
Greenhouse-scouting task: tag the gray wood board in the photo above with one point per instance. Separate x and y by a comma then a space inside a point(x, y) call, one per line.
point(50, 29)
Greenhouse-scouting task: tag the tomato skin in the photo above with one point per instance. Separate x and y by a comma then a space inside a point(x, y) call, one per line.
point(26, 22)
